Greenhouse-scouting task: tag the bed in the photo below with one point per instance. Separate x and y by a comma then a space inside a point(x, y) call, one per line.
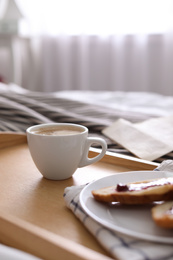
point(20, 108)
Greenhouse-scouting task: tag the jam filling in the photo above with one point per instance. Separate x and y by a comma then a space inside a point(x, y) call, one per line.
point(143, 186)
point(122, 187)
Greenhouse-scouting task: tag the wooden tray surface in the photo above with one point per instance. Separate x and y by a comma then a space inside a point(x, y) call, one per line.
point(33, 214)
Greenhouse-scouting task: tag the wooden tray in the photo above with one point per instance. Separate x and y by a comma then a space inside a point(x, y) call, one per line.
point(33, 215)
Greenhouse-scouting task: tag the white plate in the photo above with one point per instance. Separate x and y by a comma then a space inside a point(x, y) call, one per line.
point(135, 221)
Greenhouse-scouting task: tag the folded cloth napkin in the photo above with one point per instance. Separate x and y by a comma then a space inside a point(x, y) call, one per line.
point(148, 140)
point(120, 246)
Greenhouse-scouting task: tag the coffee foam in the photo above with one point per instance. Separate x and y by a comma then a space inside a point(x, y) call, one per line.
point(58, 131)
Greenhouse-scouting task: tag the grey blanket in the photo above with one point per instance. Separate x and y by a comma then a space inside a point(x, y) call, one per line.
point(21, 109)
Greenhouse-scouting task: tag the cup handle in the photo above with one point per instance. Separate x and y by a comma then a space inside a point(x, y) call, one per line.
point(85, 159)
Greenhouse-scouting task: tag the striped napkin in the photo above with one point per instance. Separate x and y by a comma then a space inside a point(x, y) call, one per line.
point(120, 246)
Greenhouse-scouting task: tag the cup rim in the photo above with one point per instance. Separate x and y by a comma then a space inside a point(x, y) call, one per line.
point(38, 126)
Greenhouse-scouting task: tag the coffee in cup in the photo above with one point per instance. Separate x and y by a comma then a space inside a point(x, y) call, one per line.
point(58, 149)
point(59, 131)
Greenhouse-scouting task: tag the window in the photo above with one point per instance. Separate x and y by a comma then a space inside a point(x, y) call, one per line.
point(98, 16)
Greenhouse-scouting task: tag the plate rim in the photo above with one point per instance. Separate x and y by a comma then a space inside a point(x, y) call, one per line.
point(121, 230)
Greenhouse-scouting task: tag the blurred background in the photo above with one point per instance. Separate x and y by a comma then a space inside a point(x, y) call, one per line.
point(116, 45)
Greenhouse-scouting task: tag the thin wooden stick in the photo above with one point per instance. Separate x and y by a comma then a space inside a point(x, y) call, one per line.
point(124, 160)
point(32, 239)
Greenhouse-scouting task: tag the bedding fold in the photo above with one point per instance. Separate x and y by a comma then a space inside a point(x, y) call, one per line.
point(21, 108)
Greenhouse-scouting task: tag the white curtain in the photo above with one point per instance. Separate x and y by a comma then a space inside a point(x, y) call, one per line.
point(138, 57)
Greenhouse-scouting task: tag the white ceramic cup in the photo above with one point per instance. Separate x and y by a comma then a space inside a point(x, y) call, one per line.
point(58, 155)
